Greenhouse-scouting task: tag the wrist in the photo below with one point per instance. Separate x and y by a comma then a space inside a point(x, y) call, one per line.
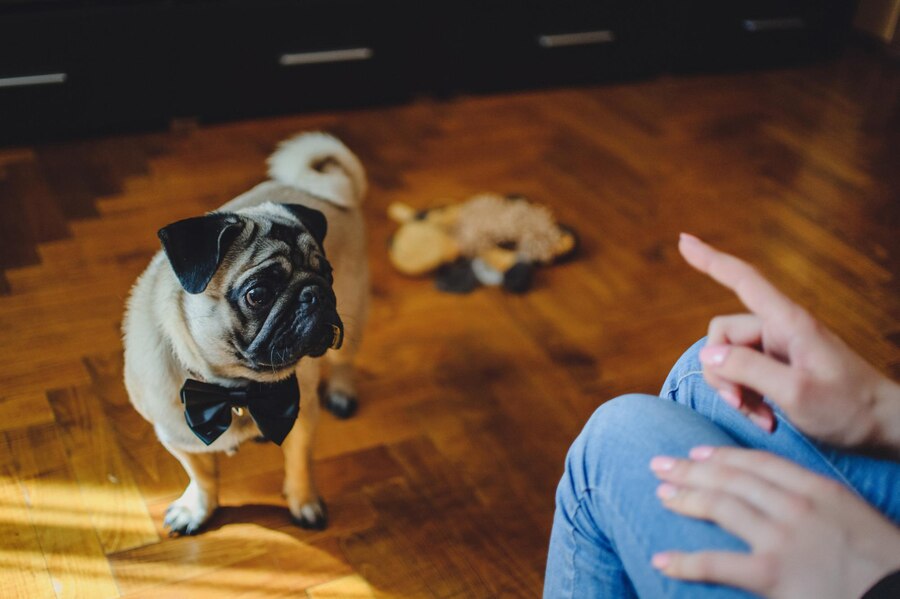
point(886, 410)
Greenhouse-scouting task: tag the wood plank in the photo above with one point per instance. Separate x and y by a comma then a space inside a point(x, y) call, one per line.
point(63, 519)
point(41, 374)
point(22, 411)
point(234, 560)
point(156, 473)
point(33, 451)
point(23, 567)
point(120, 517)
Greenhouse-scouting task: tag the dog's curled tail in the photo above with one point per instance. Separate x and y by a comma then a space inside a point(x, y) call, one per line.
point(322, 165)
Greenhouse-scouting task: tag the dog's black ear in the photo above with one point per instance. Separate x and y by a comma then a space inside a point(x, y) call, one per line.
point(196, 247)
point(312, 219)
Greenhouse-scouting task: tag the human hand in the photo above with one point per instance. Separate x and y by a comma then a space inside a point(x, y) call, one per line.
point(780, 351)
point(809, 536)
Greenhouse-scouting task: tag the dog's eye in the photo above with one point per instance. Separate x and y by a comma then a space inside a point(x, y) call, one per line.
point(258, 296)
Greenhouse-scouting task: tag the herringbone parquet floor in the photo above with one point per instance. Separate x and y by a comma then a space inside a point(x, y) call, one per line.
point(442, 485)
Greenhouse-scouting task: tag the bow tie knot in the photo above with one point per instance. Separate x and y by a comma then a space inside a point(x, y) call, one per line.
point(273, 406)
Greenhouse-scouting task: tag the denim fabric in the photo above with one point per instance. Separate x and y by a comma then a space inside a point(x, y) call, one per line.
point(609, 522)
point(877, 481)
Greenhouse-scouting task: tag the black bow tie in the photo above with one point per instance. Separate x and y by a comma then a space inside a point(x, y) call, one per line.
point(273, 406)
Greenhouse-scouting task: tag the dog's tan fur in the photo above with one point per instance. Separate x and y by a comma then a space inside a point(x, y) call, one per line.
point(171, 335)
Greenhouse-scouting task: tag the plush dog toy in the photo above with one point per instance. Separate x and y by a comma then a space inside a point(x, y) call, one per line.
point(487, 240)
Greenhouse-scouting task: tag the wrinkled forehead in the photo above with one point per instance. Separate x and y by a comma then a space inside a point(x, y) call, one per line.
point(271, 238)
point(272, 225)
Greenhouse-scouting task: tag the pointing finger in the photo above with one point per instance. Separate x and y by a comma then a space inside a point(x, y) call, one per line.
point(760, 296)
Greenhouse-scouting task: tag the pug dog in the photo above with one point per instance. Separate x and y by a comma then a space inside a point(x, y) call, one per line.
point(227, 328)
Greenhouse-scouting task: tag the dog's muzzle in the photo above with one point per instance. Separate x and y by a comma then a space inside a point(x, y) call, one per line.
point(317, 326)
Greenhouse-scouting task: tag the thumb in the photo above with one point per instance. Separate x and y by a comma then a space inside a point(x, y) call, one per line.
point(749, 368)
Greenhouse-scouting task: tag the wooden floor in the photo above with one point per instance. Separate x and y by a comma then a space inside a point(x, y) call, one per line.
point(442, 485)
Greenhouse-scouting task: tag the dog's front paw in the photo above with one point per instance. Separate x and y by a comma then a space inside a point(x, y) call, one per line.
point(311, 515)
point(340, 404)
point(187, 514)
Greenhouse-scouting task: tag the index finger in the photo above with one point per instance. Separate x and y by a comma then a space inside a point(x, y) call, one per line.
point(760, 296)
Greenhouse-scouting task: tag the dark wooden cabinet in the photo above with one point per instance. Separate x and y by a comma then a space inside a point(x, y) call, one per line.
point(710, 34)
point(74, 70)
point(270, 57)
point(71, 67)
point(508, 44)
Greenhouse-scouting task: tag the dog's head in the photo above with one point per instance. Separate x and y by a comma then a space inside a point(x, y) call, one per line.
point(258, 288)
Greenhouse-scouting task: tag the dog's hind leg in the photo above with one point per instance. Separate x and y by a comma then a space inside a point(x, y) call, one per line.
point(307, 508)
point(187, 514)
point(340, 392)
point(353, 296)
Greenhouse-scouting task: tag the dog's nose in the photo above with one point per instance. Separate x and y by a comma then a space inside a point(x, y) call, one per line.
point(311, 297)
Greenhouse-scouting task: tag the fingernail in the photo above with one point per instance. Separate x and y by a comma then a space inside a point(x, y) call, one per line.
point(666, 491)
point(687, 237)
point(731, 398)
point(660, 560)
point(662, 464)
point(701, 452)
point(714, 355)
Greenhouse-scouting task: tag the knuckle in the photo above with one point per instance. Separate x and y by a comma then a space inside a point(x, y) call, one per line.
point(726, 476)
point(724, 454)
point(716, 327)
point(798, 507)
point(718, 505)
point(700, 566)
point(803, 381)
point(681, 470)
point(779, 535)
point(798, 387)
point(763, 459)
point(676, 564)
point(697, 502)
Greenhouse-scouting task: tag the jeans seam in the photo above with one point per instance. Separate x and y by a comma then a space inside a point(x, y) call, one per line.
point(680, 380)
point(570, 579)
point(611, 507)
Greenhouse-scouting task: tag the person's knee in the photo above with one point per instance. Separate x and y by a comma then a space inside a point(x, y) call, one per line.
point(612, 428)
point(623, 413)
point(604, 437)
point(623, 435)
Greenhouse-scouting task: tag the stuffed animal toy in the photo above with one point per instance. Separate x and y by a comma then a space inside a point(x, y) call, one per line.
point(487, 240)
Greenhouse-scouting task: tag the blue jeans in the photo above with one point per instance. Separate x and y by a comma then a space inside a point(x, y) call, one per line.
point(608, 520)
